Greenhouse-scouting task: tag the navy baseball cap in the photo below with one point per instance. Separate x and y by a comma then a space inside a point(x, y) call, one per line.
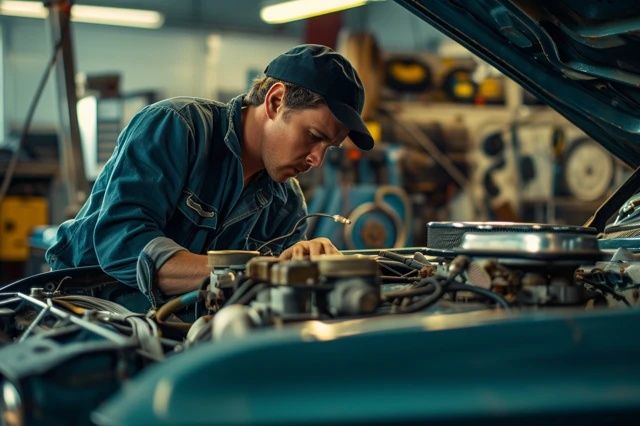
point(329, 74)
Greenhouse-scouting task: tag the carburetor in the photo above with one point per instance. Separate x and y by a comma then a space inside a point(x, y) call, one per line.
point(225, 265)
point(272, 291)
point(328, 285)
point(353, 285)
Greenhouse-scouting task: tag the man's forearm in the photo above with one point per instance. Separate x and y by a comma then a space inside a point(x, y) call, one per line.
point(184, 271)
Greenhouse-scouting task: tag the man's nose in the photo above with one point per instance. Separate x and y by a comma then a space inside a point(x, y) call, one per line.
point(316, 156)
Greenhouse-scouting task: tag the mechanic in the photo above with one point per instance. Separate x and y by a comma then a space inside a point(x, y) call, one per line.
point(190, 175)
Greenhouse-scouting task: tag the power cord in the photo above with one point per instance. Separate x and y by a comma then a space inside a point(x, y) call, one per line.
point(336, 217)
point(9, 172)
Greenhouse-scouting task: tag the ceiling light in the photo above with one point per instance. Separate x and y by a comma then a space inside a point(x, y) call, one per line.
point(26, 9)
point(292, 10)
point(117, 16)
point(89, 14)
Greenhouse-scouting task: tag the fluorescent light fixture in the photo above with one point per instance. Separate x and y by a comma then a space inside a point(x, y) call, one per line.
point(26, 9)
point(117, 16)
point(89, 14)
point(292, 10)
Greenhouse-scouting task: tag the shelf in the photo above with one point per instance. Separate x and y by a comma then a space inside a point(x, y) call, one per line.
point(37, 169)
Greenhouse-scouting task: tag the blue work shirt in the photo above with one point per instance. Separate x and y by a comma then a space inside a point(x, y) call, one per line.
point(175, 182)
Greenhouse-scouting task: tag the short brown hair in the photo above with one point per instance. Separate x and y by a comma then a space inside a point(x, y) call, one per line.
point(295, 97)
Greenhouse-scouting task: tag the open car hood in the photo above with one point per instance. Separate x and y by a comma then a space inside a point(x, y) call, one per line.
point(578, 56)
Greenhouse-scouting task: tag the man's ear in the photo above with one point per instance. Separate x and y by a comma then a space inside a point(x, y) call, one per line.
point(274, 100)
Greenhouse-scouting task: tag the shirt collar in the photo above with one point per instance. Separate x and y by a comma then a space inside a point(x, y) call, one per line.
point(234, 126)
point(232, 139)
point(276, 188)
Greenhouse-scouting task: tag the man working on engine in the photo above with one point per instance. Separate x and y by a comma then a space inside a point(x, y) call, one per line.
point(190, 175)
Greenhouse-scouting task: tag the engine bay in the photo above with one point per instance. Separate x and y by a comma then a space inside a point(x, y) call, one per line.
point(59, 339)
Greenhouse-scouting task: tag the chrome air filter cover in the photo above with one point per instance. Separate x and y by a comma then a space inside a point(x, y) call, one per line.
point(543, 244)
point(512, 239)
point(534, 263)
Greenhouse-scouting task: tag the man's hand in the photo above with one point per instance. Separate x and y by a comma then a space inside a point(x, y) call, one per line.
point(311, 247)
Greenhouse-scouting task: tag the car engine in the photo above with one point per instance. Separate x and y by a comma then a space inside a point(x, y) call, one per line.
point(61, 342)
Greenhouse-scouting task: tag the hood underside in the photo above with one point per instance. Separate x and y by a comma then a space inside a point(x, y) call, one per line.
point(578, 56)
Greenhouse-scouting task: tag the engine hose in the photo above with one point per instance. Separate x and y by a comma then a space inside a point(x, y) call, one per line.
point(174, 305)
point(425, 302)
point(408, 261)
point(430, 287)
point(251, 294)
point(482, 292)
point(70, 306)
point(241, 290)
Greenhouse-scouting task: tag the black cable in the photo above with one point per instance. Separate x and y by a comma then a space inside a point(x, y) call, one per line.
point(414, 272)
point(203, 286)
point(205, 282)
point(336, 217)
point(601, 284)
point(426, 281)
point(385, 265)
point(399, 279)
point(606, 289)
point(244, 288)
point(386, 262)
point(408, 261)
point(480, 291)
point(432, 287)
point(251, 294)
point(9, 172)
point(420, 291)
point(437, 291)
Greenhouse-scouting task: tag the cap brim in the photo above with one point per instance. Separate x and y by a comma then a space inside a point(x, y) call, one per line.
point(358, 131)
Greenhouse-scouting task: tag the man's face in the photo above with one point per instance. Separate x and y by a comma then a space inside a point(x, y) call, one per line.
point(297, 140)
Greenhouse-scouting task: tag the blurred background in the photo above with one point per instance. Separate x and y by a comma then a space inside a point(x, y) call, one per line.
point(455, 140)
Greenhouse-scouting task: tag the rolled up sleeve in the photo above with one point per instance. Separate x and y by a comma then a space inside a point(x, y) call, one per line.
point(151, 259)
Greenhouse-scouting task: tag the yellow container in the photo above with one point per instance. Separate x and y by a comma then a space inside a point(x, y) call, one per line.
point(18, 216)
point(375, 129)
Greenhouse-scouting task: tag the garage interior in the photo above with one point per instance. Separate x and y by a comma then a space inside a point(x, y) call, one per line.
point(456, 139)
point(488, 241)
